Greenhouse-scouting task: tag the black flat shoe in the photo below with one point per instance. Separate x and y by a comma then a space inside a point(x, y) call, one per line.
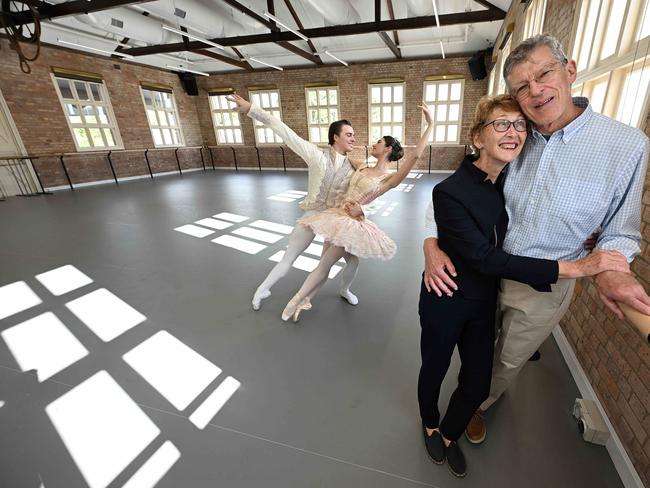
point(434, 445)
point(456, 459)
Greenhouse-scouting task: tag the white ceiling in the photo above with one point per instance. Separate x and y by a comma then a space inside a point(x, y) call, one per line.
point(215, 19)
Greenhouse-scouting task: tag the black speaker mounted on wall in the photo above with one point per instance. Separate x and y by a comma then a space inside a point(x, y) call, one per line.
point(188, 80)
point(477, 65)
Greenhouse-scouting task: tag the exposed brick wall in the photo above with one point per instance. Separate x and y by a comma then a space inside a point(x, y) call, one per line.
point(615, 359)
point(34, 104)
point(37, 112)
point(353, 89)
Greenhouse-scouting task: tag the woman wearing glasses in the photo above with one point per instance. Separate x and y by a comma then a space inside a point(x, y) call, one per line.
point(472, 220)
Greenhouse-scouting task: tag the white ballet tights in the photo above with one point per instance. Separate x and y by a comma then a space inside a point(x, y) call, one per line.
point(299, 240)
point(318, 277)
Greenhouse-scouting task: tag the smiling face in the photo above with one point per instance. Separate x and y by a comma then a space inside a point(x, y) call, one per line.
point(344, 140)
point(542, 86)
point(379, 149)
point(501, 146)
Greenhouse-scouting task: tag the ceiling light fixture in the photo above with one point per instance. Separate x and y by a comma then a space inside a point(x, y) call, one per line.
point(266, 64)
point(192, 36)
point(103, 51)
point(334, 57)
point(180, 68)
point(435, 12)
point(442, 50)
point(278, 21)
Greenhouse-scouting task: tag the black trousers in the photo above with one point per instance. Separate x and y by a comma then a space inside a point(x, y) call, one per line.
point(448, 322)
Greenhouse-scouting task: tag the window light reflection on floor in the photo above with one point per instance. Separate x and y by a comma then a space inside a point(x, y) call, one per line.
point(103, 429)
point(194, 230)
point(105, 314)
point(231, 217)
point(62, 280)
point(152, 471)
point(44, 344)
point(272, 226)
point(217, 399)
point(214, 223)
point(175, 370)
point(259, 235)
point(239, 244)
point(15, 298)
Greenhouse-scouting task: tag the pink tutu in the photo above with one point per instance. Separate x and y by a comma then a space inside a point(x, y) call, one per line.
point(359, 237)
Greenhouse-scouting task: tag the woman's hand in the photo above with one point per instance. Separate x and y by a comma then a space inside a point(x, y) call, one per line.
point(354, 210)
point(597, 262)
point(426, 111)
point(243, 105)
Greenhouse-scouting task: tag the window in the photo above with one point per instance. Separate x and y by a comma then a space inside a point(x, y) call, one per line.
point(227, 128)
point(162, 116)
point(386, 110)
point(534, 18)
point(611, 45)
point(504, 52)
point(89, 113)
point(269, 100)
point(322, 110)
point(445, 98)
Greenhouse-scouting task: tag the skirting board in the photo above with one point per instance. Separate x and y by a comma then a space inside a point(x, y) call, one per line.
point(615, 448)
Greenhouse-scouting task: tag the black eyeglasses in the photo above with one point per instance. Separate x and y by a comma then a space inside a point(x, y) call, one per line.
point(502, 125)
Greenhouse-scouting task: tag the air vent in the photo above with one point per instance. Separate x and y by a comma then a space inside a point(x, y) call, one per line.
point(117, 23)
point(180, 13)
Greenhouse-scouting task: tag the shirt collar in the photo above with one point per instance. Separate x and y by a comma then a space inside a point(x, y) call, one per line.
point(477, 174)
point(572, 128)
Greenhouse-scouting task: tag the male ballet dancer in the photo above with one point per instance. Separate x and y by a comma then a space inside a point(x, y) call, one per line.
point(328, 179)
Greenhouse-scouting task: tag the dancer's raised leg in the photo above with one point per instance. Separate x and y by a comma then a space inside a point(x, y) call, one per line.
point(314, 281)
point(299, 240)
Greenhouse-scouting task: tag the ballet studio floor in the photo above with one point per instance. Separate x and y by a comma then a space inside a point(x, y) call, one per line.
point(130, 355)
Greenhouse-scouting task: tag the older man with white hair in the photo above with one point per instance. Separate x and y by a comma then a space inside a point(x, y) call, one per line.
point(579, 170)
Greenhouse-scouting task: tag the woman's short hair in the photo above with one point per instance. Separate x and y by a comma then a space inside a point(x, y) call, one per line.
point(486, 105)
point(397, 151)
point(335, 129)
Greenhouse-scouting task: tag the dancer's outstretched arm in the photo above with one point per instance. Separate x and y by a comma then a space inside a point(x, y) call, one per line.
point(412, 156)
point(308, 151)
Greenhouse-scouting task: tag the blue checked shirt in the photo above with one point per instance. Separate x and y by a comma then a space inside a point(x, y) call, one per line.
point(557, 192)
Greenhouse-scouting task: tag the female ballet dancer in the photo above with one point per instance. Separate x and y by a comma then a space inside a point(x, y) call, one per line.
point(345, 228)
point(328, 180)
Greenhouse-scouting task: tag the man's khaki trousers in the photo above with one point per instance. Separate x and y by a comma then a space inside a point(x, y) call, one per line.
point(527, 318)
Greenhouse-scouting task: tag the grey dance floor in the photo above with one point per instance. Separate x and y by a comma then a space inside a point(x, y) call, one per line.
point(114, 365)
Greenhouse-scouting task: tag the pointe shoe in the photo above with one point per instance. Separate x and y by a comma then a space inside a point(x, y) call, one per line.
point(293, 309)
point(258, 297)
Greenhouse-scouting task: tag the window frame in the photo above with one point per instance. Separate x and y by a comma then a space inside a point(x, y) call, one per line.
point(106, 103)
point(535, 18)
point(225, 127)
point(156, 110)
point(257, 125)
point(630, 54)
point(459, 123)
point(381, 124)
point(328, 107)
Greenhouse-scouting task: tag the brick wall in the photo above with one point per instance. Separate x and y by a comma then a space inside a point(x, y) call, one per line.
point(37, 112)
point(353, 89)
point(614, 357)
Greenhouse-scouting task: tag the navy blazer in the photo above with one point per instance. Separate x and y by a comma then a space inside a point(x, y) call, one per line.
point(472, 221)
